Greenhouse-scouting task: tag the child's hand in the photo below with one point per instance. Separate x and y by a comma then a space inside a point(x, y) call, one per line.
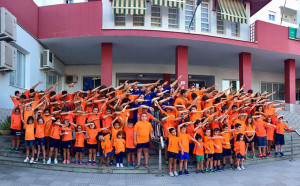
point(135, 143)
point(105, 155)
point(182, 153)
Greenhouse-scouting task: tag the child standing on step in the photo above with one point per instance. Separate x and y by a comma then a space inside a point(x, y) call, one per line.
point(130, 147)
point(29, 138)
point(55, 140)
point(67, 137)
point(239, 148)
point(174, 146)
point(15, 128)
point(40, 138)
point(107, 147)
point(79, 144)
point(199, 152)
point(92, 132)
point(120, 148)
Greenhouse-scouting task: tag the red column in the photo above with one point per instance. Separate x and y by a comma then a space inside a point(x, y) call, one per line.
point(245, 70)
point(167, 77)
point(106, 64)
point(181, 67)
point(290, 81)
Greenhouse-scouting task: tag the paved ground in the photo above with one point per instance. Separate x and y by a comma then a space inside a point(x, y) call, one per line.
point(273, 173)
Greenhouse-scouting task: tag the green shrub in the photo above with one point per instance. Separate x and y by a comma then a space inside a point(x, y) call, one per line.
point(6, 124)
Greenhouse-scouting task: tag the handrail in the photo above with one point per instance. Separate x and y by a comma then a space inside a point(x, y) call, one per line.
point(292, 144)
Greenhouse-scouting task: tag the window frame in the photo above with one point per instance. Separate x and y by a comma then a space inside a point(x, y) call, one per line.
point(17, 78)
point(119, 16)
point(171, 26)
point(237, 29)
point(279, 94)
point(156, 24)
point(204, 29)
point(219, 15)
point(136, 23)
point(187, 21)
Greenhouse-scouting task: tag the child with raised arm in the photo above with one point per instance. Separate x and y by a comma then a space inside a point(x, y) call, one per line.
point(227, 134)
point(79, 144)
point(174, 145)
point(250, 136)
point(130, 147)
point(239, 148)
point(270, 135)
point(29, 139)
point(15, 128)
point(55, 139)
point(199, 152)
point(120, 148)
point(107, 147)
point(67, 137)
point(40, 139)
point(218, 149)
point(142, 131)
point(92, 132)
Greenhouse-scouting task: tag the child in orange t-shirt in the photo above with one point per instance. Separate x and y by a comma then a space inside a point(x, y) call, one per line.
point(120, 148)
point(218, 150)
point(79, 144)
point(55, 140)
point(29, 139)
point(270, 135)
point(48, 127)
point(239, 148)
point(199, 152)
point(92, 132)
point(107, 147)
point(227, 134)
point(40, 139)
point(130, 147)
point(67, 138)
point(15, 128)
point(173, 149)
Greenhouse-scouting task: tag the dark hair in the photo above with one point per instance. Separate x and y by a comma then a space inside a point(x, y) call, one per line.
point(262, 108)
point(205, 97)
point(182, 91)
point(65, 109)
point(224, 126)
point(186, 119)
point(40, 118)
point(17, 92)
point(184, 126)
point(171, 130)
point(237, 125)
point(64, 92)
point(56, 109)
point(251, 123)
point(107, 108)
point(96, 107)
point(56, 119)
point(217, 100)
point(193, 95)
point(234, 106)
point(30, 118)
point(163, 115)
point(238, 137)
point(216, 130)
point(198, 136)
point(125, 100)
point(121, 133)
point(250, 91)
point(194, 106)
point(52, 93)
point(197, 122)
point(31, 90)
point(116, 122)
point(23, 96)
point(130, 121)
point(47, 110)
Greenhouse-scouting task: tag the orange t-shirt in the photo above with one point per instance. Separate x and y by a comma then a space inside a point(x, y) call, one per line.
point(81, 120)
point(48, 126)
point(55, 133)
point(167, 125)
point(92, 133)
point(180, 100)
point(149, 116)
point(199, 151)
point(195, 116)
point(250, 128)
point(26, 116)
point(219, 143)
point(260, 128)
point(97, 121)
point(40, 130)
point(173, 145)
point(281, 127)
point(129, 137)
point(29, 132)
point(270, 132)
point(79, 139)
point(184, 139)
point(239, 147)
point(200, 131)
point(119, 145)
point(106, 144)
point(143, 130)
point(210, 144)
point(114, 133)
point(227, 138)
point(15, 121)
point(190, 131)
point(67, 137)
point(106, 123)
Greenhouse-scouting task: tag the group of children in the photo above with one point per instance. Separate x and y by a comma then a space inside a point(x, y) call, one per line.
point(207, 124)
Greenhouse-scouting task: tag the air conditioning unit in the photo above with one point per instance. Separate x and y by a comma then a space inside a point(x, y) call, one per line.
point(48, 60)
point(8, 25)
point(8, 56)
point(71, 79)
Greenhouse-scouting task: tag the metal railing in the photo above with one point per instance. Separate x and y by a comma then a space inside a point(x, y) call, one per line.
point(252, 33)
point(292, 144)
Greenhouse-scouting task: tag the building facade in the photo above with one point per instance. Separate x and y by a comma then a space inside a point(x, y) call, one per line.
point(108, 42)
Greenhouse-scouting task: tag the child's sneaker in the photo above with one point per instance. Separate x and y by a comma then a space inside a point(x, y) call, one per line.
point(12, 150)
point(180, 173)
point(212, 170)
point(133, 164)
point(186, 173)
point(117, 165)
point(16, 149)
point(232, 167)
point(242, 167)
point(197, 171)
point(254, 157)
point(68, 162)
point(121, 165)
point(128, 164)
point(246, 157)
point(207, 170)
point(64, 162)
point(167, 162)
point(76, 162)
point(281, 154)
point(31, 160)
point(94, 163)
point(44, 161)
point(98, 154)
point(203, 171)
point(36, 159)
point(111, 163)
point(88, 163)
point(239, 168)
point(175, 173)
point(55, 161)
point(26, 160)
point(276, 154)
point(80, 162)
point(218, 168)
point(171, 174)
point(261, 156)
point(49, 161)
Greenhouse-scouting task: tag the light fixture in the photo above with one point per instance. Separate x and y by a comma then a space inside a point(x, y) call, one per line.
point(140, 75)
point(190, 77)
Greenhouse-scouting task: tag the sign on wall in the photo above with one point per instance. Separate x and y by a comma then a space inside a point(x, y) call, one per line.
point(294, 33)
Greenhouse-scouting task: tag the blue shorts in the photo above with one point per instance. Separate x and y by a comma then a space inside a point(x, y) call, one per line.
point(185, 156)
point(279, 139)
point(79, 149)
point(226, 152)
point(209, 155)
point(54, 142)
point(246, 141)
point(217, 156)
point(172, 155)
point(40, 141)
point(130, 150)
point(191, 146)
point(108, 154)
point(239, 155)
point(142, 145)
point(261, 141)
point(29, 143)
point(66, 144)
point(92, 146)
point(14, 132)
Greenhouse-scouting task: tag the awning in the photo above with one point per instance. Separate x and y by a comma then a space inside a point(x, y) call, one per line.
point(233, 10)
point(133, 7)
point(169, 3)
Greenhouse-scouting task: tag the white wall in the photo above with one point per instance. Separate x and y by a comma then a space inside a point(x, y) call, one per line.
point(108, 22)
point(54, 2)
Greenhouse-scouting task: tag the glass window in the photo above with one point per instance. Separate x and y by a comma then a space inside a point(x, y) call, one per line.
point(173, 17)
point(204, 16)
point(235, 29)
point(69, 1)
point(235, 84)
point(271, 87)
point(138, 20)
point(17, 77)
point(220, 22)
point(272, 15)
point(51, 79)
point(120, 20)
point(189, 10)
point(155, 16)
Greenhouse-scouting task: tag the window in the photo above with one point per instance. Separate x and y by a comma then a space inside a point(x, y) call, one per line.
point(189, 10)
point(17, 77)
point(204, 16)
point(69, 1)
point(51, 79)
point(173, 17)
point(138, 20)
point(235, 29)
point(155, 16)
point(271, 87)
point(120, 20)
point(220, 22)
point(235, 84)
point(272, 15)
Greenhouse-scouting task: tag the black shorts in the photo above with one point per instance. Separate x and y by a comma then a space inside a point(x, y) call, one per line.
point(279, 140)
point(217, 156)
point(246, 140)
point(66, 144)
point(79, 149)
point(92, 146)
point(226, 152)
point(14, 132)
point(209, 155)
point(130, 150)
point(54, 143)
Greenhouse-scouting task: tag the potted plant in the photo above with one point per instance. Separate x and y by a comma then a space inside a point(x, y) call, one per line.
point(5, 127)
